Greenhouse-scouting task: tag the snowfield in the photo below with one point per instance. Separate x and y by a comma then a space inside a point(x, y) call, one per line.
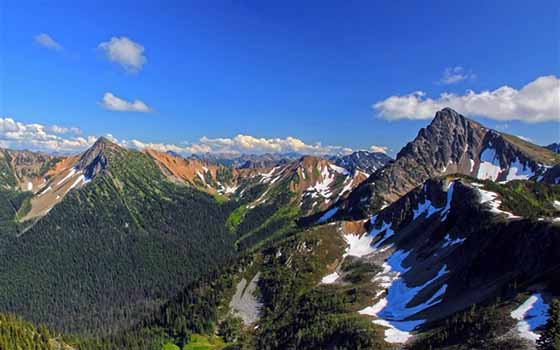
point(518, 171)
point(393, 309)
point(489, 167)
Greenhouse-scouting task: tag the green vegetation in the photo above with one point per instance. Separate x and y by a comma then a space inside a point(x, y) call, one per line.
point(550, 338)
point(235, 218)
point(539, 154)
point(526, 198)
point(12, 205)
point(16, 334)
point(300, 314)
point(479, 327)
point(109, 253)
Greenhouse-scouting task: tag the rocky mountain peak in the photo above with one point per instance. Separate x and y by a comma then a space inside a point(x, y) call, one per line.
point(554, 147)
point(96, 158)
point(451, 144)
point(365, 161)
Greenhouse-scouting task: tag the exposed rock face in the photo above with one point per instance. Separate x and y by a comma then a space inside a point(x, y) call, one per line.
point(554, 147)
point(367, 162)
point(551, 176)
point(24, 169)
point(96, 158)
point(450, 144)
point(244, 303)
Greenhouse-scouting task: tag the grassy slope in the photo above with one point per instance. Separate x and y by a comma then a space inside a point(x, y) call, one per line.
point(540, 154)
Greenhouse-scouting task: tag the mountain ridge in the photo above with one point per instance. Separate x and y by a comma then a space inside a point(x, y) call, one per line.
point(451, 143)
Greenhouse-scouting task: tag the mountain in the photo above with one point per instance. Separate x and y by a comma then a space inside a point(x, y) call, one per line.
point(164, 219)
point(266, 160)
point(453, 245)
point(22, 169)
point(116, 239)
point(21, 174)
point(278, 197)
point(421, 271)
point(450, 144)
point(364, 161)
point(554, 147)
point(436, 261)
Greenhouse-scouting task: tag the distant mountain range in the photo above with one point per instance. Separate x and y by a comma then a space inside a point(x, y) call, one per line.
point(554, 147)
point(452, 245)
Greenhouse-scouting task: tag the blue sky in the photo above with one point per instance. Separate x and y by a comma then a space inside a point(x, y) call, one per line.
point(309, 71)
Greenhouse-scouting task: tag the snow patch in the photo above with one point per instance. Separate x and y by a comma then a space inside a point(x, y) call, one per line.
point(448, 241)
point(330, 278)
point(491, 198)
point(447, 207)
point(80, 179)
point(231, 189)
point(489, 167)
point(69, 175)
point(393, 309)
point(519, 171)
point(338, 169)
point(45, 191)
point(201, 176)
point(358, 245)
point(531, 314)
point(266, 177)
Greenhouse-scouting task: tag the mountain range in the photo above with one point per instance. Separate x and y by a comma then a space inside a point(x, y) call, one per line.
point(452, 245)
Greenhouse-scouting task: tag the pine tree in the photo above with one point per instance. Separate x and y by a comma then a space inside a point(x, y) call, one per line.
point(550, 338)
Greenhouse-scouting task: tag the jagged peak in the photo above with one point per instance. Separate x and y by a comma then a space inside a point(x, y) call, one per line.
point(104, 142)
point(96, 158)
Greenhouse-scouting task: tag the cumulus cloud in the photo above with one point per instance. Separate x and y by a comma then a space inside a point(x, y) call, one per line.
point(125, 52)
point(243, 144)
point(538, 101)
point(57, 129)
point(378, 149)
point(114, 103)
point(453, 75)
point(38, 137)
point(46, 41)
point(14, 134)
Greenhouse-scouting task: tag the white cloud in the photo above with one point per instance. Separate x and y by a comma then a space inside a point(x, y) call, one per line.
point(114, 103)
point(127, 53)
point(378, 149)
point(243, 144)
point(38, 137)
point(538, 101)
point(57, 129)
point(14, 134)
point(46, 41)
point(453, 75)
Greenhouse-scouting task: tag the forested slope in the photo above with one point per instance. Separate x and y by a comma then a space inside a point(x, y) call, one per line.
point(109, 251)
